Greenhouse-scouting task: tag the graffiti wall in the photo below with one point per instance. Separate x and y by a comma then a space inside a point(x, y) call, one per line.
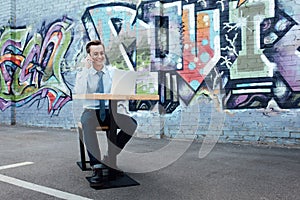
point(30, 65)
point(237, 47)
point(246, 53)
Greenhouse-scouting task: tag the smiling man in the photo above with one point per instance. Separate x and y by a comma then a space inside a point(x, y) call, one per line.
point(96, 77)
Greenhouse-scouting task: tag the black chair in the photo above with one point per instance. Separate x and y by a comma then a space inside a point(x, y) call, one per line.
point(83, 162)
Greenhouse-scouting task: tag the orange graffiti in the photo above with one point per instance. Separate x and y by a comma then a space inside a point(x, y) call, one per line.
point(240, 2)
point(16, 59)
point(194, 48)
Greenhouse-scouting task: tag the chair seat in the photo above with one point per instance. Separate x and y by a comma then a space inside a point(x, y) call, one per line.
point(98, 128)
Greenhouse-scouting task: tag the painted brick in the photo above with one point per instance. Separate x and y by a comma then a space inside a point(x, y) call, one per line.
point(210, 132)
point(235, 138)
point(276, 134)
point(231, 133)
point(6, 117)
point(223, 138)
point(295, 135)
point(251, 138)
point(289, 141)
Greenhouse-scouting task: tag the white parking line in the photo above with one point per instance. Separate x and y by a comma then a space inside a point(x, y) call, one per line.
point(39, 188)
point(15, 165)
point(35, 187)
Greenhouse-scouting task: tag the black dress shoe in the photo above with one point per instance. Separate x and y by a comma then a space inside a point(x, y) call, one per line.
point(98, 166)
point(97, 178)
point(97, 170)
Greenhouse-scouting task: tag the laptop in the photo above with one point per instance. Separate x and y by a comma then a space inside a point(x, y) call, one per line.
point(123, 82)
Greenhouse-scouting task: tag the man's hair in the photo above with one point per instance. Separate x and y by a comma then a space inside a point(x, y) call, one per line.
point(93, 42)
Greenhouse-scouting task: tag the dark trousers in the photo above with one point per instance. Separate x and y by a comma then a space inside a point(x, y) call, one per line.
point(90, 120)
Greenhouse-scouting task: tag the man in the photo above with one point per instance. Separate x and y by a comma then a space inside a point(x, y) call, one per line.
point(96, 77)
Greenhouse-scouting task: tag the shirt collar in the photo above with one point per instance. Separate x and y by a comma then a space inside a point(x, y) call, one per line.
point(93, 71)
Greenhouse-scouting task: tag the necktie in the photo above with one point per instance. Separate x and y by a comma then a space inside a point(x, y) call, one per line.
point(100, 89)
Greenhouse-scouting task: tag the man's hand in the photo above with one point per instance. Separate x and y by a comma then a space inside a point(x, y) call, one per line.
point(88, 61)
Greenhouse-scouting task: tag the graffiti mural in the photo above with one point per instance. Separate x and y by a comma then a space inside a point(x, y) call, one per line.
point(206, 45)
point(148, 39)
point(30, 65)
point(256, 69)
point(246, 51)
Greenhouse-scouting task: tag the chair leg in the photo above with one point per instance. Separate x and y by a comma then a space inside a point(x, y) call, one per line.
point(82, 150)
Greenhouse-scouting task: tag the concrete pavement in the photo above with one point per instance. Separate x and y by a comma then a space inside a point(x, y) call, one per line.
point(40, 163)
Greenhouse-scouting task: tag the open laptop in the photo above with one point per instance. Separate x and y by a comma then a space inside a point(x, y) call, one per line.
point(123, 82)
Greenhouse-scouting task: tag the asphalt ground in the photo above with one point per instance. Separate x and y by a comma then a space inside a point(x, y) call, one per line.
point(40, 163)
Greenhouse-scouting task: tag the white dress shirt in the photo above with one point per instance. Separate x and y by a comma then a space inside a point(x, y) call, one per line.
point(87, 82)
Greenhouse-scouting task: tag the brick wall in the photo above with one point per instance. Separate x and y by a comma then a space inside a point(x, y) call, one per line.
point(224, 69)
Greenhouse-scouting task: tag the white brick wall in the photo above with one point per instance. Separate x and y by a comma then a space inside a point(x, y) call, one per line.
point(246, 125)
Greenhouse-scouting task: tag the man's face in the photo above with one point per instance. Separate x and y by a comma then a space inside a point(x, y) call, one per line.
point(97, 54)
